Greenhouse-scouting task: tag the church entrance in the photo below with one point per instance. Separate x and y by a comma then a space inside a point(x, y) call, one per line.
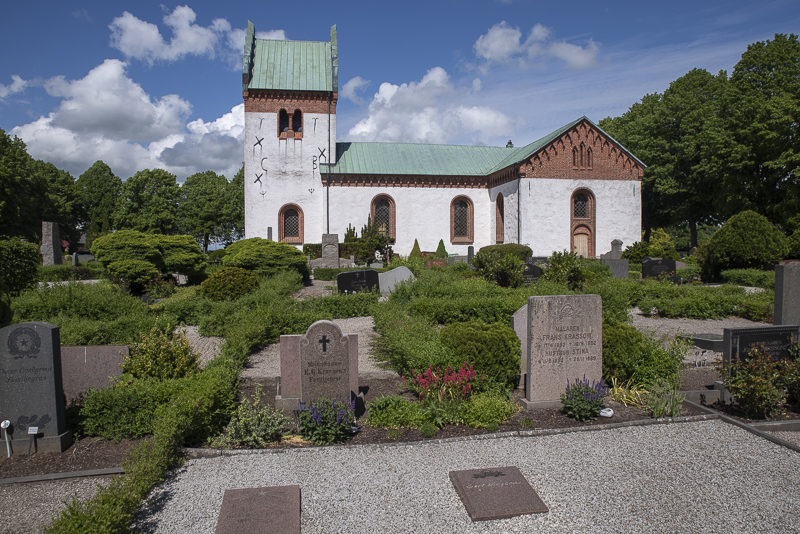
point(581, 245)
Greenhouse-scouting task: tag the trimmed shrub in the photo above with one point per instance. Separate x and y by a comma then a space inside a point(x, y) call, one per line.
point(68, 273)
point(635, 253)
point(630, 355)
point(229, 283)
point(265, 257)
point(127, 245)
point(749, 278)
point(19, 264)
point(313, 250)
point(564, 268)
point(441, 252)
point(504, 270)
point(216, 255)
point(746, 241)
point(522, 252)
point(493, 349)
point(394, 412)
point(161, 356)
point(416, 253)
point(137, 272)
point(181, 254)
point(484, 410)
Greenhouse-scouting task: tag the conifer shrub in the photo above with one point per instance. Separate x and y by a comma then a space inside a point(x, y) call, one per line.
point(229, 283)
point(441, 252)
point(636, 252)
point(493, 349)
point(128, 245)
point(162, 356)
point(135, 272)
point(19, 264)
point(746, 241)
point(181, 254)
point(265, 258)
point(416, 253)
point(485, 410)
point(522, 252)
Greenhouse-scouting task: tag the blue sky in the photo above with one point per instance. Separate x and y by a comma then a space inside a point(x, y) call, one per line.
point(144, 85)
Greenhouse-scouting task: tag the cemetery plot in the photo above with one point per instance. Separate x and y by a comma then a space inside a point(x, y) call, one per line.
point(271, 510)
point(357, 281)
point(496, 493)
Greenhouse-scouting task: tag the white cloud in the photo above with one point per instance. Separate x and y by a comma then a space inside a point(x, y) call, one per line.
point(352, 87)
point(142, 40)
point(107, 116)
point(432, 110)
point(502, 44)
point(17, 86)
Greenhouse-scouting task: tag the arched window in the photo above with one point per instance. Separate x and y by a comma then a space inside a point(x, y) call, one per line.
point(589, 158)
point(297, 121)
point(283, 123)
point(583, 223)
point(583, 151)
point(500, 219)
point(461, 220)
point(290, 224)
point(382, 212)
point(575, 157)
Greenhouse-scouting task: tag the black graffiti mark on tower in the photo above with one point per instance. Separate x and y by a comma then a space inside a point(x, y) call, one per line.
point(258, 178)
point(315, 123)
point(260, 122)
point(314, 162)
point(263, 193)
point(262, 164)
point(322, 154)
point(258, 142)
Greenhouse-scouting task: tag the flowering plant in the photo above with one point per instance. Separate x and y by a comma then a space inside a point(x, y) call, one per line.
point(326, 422)
point(447, 385)
point(583, 401)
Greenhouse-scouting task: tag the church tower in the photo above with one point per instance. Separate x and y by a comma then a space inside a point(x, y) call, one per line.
point(290, 89)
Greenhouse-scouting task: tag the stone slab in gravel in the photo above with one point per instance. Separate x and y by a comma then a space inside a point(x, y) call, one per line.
point(689, 477)
point(273, 510)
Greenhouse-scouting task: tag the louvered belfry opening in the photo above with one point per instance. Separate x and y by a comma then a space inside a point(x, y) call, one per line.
point(291, 223)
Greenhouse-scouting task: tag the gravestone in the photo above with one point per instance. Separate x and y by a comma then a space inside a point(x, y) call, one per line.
point(615, 253)
point(652, 268)
point(31, 394)
point(737, 342)
point(619, 268)
point(271, 510)
point(436, 263)
point(496, 493)
point(787, 293)
point(388, 281)
point(321, 363)
point(51, 244)
point(531, 273)
point(330, 251)
point(519, 323)
point(565, 342)
point(470, 254)
point(85, 367)
point(356, 281)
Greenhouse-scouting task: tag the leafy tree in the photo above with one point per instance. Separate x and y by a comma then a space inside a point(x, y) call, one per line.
point(18, 190)
point(60, 203)
point(233, 227)
point(98, 190)
point(203, 207)
point(148, 203)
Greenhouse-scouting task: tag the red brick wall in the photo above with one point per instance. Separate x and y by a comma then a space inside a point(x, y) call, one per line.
point(272, 101)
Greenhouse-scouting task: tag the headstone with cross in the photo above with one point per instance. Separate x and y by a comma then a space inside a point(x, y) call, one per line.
point(323, 363)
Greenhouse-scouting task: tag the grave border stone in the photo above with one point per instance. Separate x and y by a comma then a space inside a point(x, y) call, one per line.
point(787, 293)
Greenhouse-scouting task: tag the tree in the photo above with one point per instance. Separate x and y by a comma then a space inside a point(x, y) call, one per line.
point(764, 123)
point(148, 203)
point(60, 203)
point(98, 190)
point(18, 191)
point(203, 207)
point(232, 228)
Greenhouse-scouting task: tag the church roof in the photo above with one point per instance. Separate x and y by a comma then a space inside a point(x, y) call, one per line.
point(437, 160)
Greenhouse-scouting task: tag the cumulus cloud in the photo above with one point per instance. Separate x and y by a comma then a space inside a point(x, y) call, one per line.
point(503, 44)
point(107, 116)
point(17, 86)
point(352, 87)
point(142, 40)
point(432, 110)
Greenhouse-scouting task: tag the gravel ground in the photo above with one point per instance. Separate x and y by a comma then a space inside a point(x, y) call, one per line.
point(636, 479)
point(31, 507)
point(791, 437)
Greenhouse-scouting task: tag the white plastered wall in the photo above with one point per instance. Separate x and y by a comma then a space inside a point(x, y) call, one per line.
point(546, 204)
point(509, 191)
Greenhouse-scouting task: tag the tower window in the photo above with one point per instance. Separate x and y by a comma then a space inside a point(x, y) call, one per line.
point(297, 121)
point(283, 123)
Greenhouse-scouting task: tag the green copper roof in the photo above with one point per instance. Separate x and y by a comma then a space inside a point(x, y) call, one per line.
point(291, 65)
point(436, 160)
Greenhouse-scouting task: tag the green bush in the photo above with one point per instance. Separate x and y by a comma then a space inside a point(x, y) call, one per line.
point(19, 264)
point(265, 257)
point(101, 302)
point(135, 272)
point(484, 410)
point(252, 426)
point(68, 273)
point(428, 430)
point(564, 268)
point(394, 412)
point(326, 422)
point(663, 399)
point(341, 306)
point(757, 383)
point(313, 250)
point(161, 356)
point(522, 252)
point(689, 273)
point(416, 253)
point(504, 270)
point(185, 306)
point(630, 355)
point(181, 254)
point(441, 252)
point(493, 349)
point(216, 255)
point(127, 245)
point(749, 278)
point(582, 401)
point(746, 241)
point(635, 253)
point(229, 283)
point(6, 313)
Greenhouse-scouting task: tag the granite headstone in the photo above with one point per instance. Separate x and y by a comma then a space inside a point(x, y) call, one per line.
point(470, 254)
point(496, 493)
point(31, 394)
point(655, 267)
point(519, 323)
point(85, 367)
point(787, 293)
point(51, 244)
point(388, 281)
point(565, 342)
point(357, 281)
point(330, 250)
point(738, 342)
point(270, 510)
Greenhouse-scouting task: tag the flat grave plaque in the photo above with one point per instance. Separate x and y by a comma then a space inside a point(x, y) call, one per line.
point(496, 493)
point(738, 342)
point(357, 281)
point(272, 510)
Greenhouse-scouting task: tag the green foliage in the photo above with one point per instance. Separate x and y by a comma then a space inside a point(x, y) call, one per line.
point(216, 255)
point(328, 274)
point(341, 306)
point(582, 401)
point(505, 271)
point(128, 245)
point(663, 399)
point(494, 350)
point(636, 252)
point(137, 272)
point(161, 356)
point(6, 313)
point(522, 252)
point(68, 273)
point(749, 278)
point(483, 410)
point(444, 384)
point(394, 412)
point(564, 268)
point(203, 209)
point(415, 251)
point(229, 283)
point(350, 235)
point(757, 383)
point(19, 262)
point(181, 254)
point(326, 422)
point(252, 426)
point(746, 241)
point(148, 202)
point(98, 190)
point(629, 355)
point(312, 250)
point(441, 252)
point(160, 287)
point(100, 301)
point(265, 257)
point(428, 430)
point(661, 245)
point(185, 306)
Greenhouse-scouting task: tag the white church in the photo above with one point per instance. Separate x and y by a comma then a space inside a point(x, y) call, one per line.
point(574, 189)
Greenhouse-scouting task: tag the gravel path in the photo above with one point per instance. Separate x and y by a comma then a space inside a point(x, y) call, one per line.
point(636, 479)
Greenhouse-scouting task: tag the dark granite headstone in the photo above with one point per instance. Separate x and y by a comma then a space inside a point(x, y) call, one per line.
point(738, 342)
point(470, 253)
point(496, 493)
point(531, 273)
point(653, 268)
point(436, 263)
point(787, 293)
point(272, 510)
point(357, 281)
point(31, 394)
point(84, 367)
